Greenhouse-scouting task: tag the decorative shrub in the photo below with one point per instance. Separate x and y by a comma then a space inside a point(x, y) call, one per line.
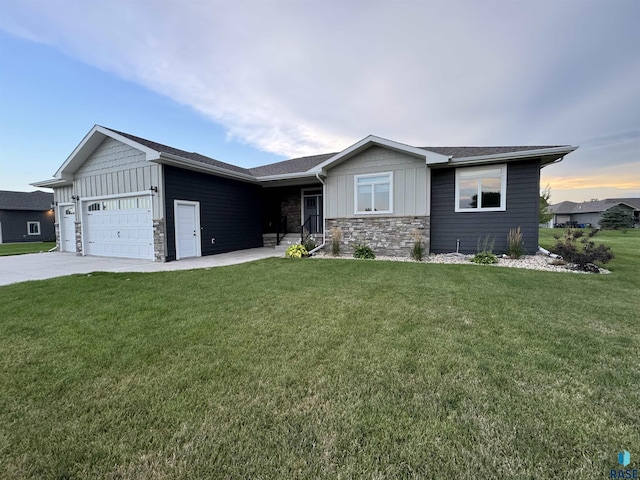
point(515, 241)
point(336, 238)
point(486, 245)
point(575, 247)
point(363, 251)
point(296, 251)
point(417, 251)
point(309, 244)
point(485, 254)
point(484, 258)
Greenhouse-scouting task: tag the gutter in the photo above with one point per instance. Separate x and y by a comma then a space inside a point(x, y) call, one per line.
point(324, 228)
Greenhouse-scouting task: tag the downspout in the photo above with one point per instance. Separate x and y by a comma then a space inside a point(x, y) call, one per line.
point(324, 229)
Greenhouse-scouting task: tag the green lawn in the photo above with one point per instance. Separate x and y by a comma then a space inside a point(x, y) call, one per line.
point(26, 247)
point(323, 369)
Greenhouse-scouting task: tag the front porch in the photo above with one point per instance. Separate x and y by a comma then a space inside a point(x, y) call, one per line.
point(291, 211)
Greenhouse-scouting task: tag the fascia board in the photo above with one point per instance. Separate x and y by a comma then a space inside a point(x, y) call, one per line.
point(169, 159)
point(515, 155)
point(53, 183)
point(287, 176)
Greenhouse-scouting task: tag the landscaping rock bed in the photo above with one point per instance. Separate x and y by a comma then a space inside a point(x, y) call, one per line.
point(532, 262)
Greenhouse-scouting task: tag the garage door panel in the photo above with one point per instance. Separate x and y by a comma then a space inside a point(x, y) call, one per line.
point(119, 230)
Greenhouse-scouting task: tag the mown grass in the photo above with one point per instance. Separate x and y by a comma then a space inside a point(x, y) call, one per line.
point(322, 369)
point(25, 247)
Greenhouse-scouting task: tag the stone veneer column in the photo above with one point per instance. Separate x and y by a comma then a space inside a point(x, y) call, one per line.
point(387, 236)
point(56, 227)
point(159, 252)
point(78, 238)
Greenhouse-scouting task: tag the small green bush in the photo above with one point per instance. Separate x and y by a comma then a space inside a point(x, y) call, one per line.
point(484, 258)
point(363, 251)
point(296, 251)
point(485, 254)
point(309, 244)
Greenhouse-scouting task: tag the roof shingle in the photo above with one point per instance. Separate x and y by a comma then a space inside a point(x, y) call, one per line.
point(37, 200)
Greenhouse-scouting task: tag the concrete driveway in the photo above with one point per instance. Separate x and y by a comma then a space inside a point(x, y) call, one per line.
point(39, 266)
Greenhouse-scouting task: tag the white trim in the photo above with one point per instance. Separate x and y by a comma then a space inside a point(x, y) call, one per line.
point(116, 195)
point(477, 174)
point(29, 223)
point(197, 226)
point(515, 155)
point(355, 193)
point(0, 232)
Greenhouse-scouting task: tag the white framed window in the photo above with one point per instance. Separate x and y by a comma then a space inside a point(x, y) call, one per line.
point(373, 193)
point(33, 228)
point(481, 189)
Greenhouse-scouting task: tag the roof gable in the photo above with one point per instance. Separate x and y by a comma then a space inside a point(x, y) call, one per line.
point(370, 141)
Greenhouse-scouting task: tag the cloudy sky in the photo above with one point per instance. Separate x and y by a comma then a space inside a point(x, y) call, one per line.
point(252, 82)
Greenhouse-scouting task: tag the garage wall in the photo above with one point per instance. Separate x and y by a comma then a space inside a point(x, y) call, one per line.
point(114, 168)
point(230, 210)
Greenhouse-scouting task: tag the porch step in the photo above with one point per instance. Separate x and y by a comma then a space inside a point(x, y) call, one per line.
point(288, 240)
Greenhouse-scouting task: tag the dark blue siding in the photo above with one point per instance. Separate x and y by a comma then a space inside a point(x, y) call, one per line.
point(447, 226)
point(230, 210)
point(14, 225)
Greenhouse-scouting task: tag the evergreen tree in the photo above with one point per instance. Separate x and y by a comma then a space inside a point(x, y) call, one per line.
point(615, 218)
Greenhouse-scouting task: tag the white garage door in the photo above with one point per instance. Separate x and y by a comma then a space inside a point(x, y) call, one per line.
point(121, 227)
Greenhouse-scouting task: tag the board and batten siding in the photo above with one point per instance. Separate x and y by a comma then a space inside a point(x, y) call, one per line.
point(114, 168)
point(448, 226)
point(230, 210)
point(410, 182)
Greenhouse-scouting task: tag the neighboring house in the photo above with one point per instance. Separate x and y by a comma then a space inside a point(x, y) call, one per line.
point(121, 195)
point(590, 213)
point(26, 217)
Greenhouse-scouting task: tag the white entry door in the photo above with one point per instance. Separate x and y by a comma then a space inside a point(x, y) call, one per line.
point(187, 226)
point(68, 228)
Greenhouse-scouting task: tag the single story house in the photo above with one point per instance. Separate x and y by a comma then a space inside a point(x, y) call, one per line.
point(590, 213)
point(26, 217)
point(121, 195)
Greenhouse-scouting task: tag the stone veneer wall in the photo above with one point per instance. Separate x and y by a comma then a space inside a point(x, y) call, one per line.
point(159, 252)
point(56, 226)
point(78, 238)
point(290, 206)
point(387, 236)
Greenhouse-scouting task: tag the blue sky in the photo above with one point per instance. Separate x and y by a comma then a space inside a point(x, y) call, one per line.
point(251, 83)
